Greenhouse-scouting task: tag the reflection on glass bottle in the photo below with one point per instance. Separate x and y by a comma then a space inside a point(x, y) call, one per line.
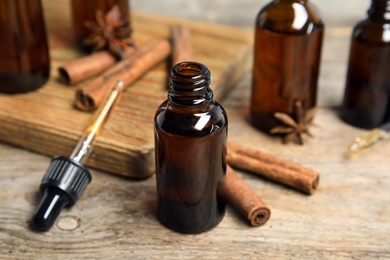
point(190, 139)
point(287, 51)
point(366, 101)
point(24, 54)
point(85, 10)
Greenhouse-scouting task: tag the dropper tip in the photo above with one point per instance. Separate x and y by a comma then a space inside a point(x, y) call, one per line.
point(62, 185)
point(53, 201)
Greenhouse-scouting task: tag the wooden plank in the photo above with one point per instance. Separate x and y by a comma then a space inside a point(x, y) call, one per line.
point(45, 121)
point(348, 217)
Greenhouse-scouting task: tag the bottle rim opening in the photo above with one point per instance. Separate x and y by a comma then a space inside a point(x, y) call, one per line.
point(190, 70)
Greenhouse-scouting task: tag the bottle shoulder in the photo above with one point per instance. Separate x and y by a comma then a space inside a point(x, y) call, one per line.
point(371, 32)
point(290, 17)
point(190, 121)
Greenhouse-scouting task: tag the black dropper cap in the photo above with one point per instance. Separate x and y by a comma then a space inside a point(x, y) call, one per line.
point(62, 185)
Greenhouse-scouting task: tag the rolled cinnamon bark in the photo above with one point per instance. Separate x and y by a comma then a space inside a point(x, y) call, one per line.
point(240, 196)
point(181, 43)
point(88, 66)
point(273, 168)
point(89, 96)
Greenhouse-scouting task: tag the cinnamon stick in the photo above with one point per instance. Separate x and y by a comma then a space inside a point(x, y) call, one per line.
point(181, 43)
point(128, 70)
point(88, 66)
point(273, 168)
point(240, 196)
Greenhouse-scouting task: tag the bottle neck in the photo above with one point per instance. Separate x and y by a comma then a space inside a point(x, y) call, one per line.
point(189, 85)
point(379, 10)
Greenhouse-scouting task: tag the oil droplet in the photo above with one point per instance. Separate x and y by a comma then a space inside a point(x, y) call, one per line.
point(68, 223)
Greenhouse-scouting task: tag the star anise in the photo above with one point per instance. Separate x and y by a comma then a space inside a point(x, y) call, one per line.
point(292, 128)
point(109, 32)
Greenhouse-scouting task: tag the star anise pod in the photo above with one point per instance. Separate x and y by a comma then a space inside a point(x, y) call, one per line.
point(295, 129)
point(109, 32)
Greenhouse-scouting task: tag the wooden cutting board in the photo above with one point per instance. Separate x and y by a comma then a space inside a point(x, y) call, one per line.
point(47, 122)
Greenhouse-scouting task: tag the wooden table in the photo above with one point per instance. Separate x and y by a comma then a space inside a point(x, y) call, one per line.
point(348, 217)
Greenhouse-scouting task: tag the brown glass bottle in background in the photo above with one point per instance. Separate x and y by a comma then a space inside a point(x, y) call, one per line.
point(85, 10)
point(190, 144)
point(366, 101)
point(287, 51)
point(24, 53)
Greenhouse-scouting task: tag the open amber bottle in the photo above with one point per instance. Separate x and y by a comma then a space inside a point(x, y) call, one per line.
point(366, 101)
point(24, 52)
point(287, 51)
point(190, 144)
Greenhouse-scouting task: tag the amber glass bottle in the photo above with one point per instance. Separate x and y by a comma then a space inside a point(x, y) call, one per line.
point(190, 139)
point(84, 10)
point(287, 50)
point(24, 54)
point(367, 93)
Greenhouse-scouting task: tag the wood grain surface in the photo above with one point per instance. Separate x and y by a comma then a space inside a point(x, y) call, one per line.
point(347, 218)
point(47, 122)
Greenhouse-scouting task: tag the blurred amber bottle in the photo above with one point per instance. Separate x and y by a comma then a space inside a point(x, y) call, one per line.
point(85, 10)
point(287, 52)
point(24, 54)
point(367, 94)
